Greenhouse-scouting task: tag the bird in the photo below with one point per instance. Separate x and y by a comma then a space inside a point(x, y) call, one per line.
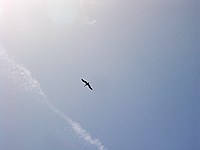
point(87, 84)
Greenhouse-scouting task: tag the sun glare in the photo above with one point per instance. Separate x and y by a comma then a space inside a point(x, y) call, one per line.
point(1, 14)
point(68, 11)
point(64, 11)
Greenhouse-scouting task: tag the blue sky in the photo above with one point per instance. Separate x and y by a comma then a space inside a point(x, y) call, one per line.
point(141, 58)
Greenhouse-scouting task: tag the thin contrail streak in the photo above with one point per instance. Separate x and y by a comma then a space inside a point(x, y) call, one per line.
point(18, 74)
point(22, 77)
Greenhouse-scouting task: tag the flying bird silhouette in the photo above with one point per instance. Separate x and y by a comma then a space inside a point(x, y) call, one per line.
point(87, 84)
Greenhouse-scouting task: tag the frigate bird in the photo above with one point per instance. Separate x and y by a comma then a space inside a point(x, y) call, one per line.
point(87, 84)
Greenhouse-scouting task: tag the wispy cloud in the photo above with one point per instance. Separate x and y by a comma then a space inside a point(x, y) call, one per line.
point(18, 74)
point(86, 136)
point(77, 128)
point(23, 78)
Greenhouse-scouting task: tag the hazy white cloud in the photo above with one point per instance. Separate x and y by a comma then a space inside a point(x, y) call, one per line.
point(23, 78)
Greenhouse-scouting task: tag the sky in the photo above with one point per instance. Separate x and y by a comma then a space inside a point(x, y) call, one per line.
point(140, 56)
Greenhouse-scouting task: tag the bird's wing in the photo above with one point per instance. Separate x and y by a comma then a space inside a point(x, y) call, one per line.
point(84, 81)
point(90, 87)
